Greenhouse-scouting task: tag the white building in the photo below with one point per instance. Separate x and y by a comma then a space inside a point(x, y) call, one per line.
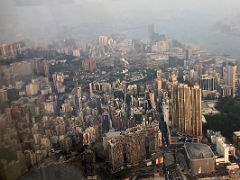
point(165, 109)
point(223, 149)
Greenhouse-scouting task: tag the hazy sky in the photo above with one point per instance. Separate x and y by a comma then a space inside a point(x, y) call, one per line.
point(52, 19)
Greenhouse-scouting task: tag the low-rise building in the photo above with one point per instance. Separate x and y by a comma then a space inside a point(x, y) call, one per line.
point(200, 158)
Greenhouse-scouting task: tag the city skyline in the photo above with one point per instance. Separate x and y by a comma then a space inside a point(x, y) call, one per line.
point(110, 89)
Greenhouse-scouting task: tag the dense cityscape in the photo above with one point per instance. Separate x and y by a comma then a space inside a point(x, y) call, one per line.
point(118, 108)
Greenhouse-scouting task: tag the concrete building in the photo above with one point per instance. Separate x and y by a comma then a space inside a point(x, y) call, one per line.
point(32, 89)
point(177, 52)
point(117, 153)
point(223, 149)
point(159, 74)
point(58, 80)
point(230, 76)
point(46, 90)
point(153, 138)
point(165, 110)
point(76, 52)
point(133, 145)
point(151, 32)
point(103, 40)
point(114, 144)
point(159, 87)
point(208, 82)
point(90, 90)
point(41, 67)
point(225, 90)
point(174, 61)
point(161, 46)
point(10, 50)
point(89, 65)
point(89, 163)
point(50, 106)
point(196, 123)
point(23, 68)
point(152, 99)
point(200, 158)
point(3, 96)
point(187, 110)
point(103, 86)
point(236, 141)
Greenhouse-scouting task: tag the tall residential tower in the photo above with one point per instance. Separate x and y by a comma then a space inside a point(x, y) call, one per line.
point(187, 110)
point(230, 76)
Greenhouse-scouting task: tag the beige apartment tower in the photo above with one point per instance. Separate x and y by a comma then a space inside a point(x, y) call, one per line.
point(230, 76)
point(187, 110)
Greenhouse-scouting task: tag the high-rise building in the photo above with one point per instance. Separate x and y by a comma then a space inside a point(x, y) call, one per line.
point(79, 91)
point(89, 65)
point(89, 163)
point(50, 106)
point(32, 89)
point(196, 100)
point(90, 90)
point(174, 61)
point(165, 109)
point(133, 145)
point(103, 40)
point(230, 76)
point(151, 32)
point(46, 69)
point(10, 50)
point(199, 68)
point(208, 82)
point(152, 99)
point(76, 53)
point(115, 148)
point(3, 96)
point(161, 46)
point(225, 90)
point(159, 87)
point(159, 74)
point(187, 110)
point(78, 97)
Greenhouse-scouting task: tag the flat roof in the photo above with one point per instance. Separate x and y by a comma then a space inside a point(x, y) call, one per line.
point(198, 151)
point(236, 133)
point(113, 133)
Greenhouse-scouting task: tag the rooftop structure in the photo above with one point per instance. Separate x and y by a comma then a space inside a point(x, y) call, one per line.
point(198, 151)
point(201, 159)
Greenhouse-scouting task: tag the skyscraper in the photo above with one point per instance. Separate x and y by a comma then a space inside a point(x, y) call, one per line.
point(90, 90)
point(79, 97)
point(151, 32)
point(159, 87)
point(165, 109)
point(89, 65)
point(230, 76)
point(187, 110)
point(196, 99)
point(208, 82)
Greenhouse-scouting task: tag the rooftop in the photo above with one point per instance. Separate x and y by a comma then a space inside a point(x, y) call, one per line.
point(236, 133)
point(113, 133)
point(198, 151)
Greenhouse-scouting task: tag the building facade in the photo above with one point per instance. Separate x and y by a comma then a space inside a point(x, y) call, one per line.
point(230, 76)
point(187, 110)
